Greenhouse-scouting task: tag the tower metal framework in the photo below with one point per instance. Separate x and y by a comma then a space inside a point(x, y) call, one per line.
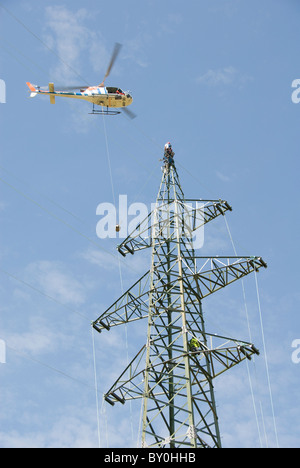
point(175, 380)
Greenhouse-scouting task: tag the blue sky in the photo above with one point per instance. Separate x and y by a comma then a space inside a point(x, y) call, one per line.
point(212, 77)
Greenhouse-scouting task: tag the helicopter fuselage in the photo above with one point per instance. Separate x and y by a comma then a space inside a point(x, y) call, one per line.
point(103, 96)
point(100, 95)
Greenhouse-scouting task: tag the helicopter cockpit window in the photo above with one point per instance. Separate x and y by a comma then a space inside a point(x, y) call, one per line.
point(112, 90)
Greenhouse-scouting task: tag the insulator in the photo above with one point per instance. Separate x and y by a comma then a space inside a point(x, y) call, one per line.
point(130, 250)
point(121, 252)
point(109, 401)
point(121, 400)
point(104, 325)
point(263, 262)
point(227, 205)
point(254, 266)
point(254, 349)
point(218, 206)
point(243, 351)
point(96, 328)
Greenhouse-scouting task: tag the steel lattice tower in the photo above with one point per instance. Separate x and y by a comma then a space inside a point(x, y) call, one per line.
point(175, 383)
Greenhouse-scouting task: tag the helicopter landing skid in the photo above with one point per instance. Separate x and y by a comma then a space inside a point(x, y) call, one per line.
point(103, 111)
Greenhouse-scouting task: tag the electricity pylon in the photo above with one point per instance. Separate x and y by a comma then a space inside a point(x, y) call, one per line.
point(174, 380)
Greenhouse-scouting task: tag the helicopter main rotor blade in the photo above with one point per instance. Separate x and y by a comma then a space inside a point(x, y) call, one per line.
point(64, 88)
point(112, 60)
point(70, 88)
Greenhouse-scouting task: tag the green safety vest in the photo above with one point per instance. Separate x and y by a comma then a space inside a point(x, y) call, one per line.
point(194, 343)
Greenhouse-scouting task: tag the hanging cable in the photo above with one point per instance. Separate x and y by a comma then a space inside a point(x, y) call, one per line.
point(70, 226)
point(108, 160)
point(242, 281)
point(264, 426)
point(103, 411)
point(254, 404)
point(119, 262)
point(43, 43)
point(250, 337)
point(34, 288)
point(263, 339)
point(266, 360)
point(53, 202)
point(140, 424)
point(96, 388)
point(52, 368)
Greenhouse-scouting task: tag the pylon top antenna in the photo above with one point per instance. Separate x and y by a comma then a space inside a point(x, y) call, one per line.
point(174, 370)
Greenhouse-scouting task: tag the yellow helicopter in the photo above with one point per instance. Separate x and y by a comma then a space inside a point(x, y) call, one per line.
point(108, 97)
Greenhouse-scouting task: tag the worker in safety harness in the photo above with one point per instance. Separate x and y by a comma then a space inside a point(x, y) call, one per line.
point(194, 345)
point(168, 155)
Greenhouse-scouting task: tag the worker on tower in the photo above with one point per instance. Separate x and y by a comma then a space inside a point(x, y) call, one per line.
point(194, 345)
point(168, 155)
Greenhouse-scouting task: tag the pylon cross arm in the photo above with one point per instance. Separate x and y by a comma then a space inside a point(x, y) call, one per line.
point(208, 211)
point(135, 302)
point(154, 225)
point(222, 274)
point(123, 389)
point(221, 359)
point(132, 305)
point(130, 384)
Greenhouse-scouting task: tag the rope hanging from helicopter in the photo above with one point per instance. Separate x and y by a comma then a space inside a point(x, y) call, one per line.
point(119, 264)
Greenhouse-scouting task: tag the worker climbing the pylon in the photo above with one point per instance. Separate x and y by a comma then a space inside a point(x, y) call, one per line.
point(168, 155)
point(194, 345)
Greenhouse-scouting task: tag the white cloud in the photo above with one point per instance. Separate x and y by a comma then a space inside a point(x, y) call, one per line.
point(132, 267)
point(135, 49)
point(37, 338)
point(223, 177)
point(101, 259)
point(72, 40)
point(54, 280)
point(223, 76)
point(74, 427)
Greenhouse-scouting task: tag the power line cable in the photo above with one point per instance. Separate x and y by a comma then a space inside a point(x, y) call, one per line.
point(42, 42)
point(266, 361)
point(96, 388)
point(264, 346)
point(34, 288)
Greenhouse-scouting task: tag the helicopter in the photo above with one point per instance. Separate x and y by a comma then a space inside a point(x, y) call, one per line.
point(109, 98)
